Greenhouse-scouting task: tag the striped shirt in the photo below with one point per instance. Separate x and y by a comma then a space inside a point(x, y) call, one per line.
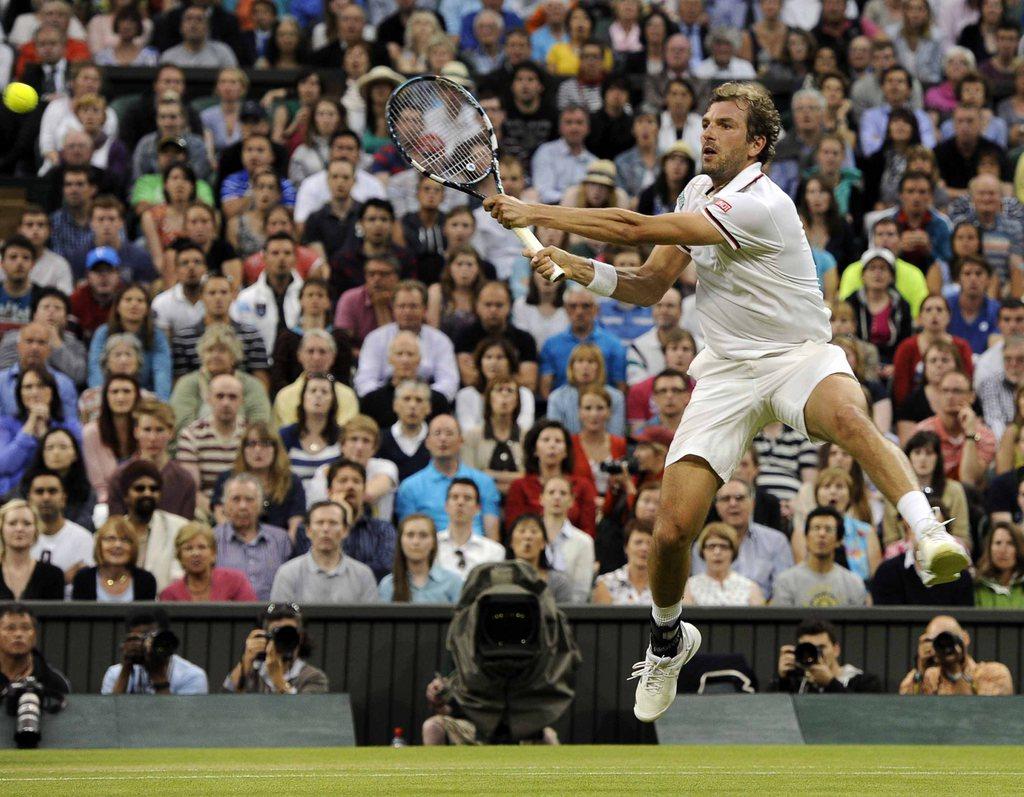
point(781, 461)
point(200, 446)
point(186, 357)
point(305, 463)
point(259, 559)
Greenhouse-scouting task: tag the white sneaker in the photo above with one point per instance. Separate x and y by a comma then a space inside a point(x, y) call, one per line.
point(939, 555)
point(658, 676)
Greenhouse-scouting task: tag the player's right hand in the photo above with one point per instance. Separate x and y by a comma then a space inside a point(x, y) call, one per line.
point(544, 262)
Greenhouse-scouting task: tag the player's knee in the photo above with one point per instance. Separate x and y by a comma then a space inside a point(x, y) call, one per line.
point(851, 423)
point(673, 532)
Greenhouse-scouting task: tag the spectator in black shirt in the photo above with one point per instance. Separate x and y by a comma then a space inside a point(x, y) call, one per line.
point(139, 117)
point(897, 582)
point(253, 121)
point(529, 120)
point(404, 359)
point(331, 228)
point(404, 443)
point(391, 30)
point(373, 237)
point(958, 156)
point(493, 309)
point(611, 127)
point(423, 229)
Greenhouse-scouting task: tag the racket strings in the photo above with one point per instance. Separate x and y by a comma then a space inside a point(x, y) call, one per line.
point(442, 131)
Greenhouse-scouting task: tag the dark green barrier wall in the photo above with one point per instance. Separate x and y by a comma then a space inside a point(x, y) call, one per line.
point(385, 655)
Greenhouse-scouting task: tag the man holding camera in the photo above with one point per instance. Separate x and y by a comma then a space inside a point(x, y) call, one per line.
point(149, 664)
point(811, 666)
point(272, 662)
point(19, 659)
point(944, 667)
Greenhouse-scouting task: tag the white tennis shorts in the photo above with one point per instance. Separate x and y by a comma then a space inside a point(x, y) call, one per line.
point(735, 399)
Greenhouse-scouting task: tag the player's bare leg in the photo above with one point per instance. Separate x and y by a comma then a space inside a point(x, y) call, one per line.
point(836, 411)
point(687, 490)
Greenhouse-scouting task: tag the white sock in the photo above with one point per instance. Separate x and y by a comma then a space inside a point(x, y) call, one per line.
point(915, 510)
point(667, 616)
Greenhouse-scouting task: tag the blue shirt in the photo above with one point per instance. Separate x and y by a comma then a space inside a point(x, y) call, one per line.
point(426, 490)
point(184, 677)
point(542, 40)
point(975, 332)
point(627, 321)
point(156, 362)
point(467, 40)
point(554, 356)
point(237, 185)
point(15, 311)
point(65, 388)
point(443, 586)
point(764, 553)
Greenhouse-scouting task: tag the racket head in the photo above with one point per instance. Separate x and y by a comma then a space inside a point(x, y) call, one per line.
point(440, 128)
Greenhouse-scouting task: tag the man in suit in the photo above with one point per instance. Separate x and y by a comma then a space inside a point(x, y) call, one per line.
point(48, 74)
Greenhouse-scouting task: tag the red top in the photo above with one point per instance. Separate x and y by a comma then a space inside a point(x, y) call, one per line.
point(76, 50)
point(305, 259)
point(90, 314)
point(582, 468)
point(226, 584)
point(905, 360)
point(524, 498)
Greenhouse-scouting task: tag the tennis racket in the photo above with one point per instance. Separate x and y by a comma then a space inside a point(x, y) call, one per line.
point(443, 132)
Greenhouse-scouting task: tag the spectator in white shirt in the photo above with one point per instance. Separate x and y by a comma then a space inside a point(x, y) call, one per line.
point(458, 548)
point(570, 550)
point(62, 543)
point(723, 63)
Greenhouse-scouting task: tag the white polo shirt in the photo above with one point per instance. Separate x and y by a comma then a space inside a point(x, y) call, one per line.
point(173, 312)
point(70, 546)
point(757, 293)
point(461, 559)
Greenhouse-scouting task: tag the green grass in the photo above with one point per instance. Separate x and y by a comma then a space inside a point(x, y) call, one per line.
point(524, 771)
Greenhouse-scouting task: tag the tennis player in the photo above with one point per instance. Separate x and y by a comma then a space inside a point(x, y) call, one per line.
point(768, 356)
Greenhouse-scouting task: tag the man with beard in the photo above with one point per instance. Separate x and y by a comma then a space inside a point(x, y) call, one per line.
point(181, 306)
point(156, 529)
point(63, 543)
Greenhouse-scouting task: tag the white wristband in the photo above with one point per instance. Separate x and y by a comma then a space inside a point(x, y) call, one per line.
point(605, 279)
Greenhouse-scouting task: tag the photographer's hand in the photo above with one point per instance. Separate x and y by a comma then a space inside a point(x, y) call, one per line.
point(255, 644)
point(820, 674)
point(787, 660)
point(925, 654)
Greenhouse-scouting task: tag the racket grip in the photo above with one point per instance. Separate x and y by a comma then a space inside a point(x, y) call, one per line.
point(533, 245)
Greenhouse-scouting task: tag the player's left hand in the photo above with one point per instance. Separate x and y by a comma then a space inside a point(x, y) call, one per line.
point(508, 211)
point(544, 261)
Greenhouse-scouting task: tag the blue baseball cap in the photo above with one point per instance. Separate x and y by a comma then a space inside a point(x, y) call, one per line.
point(102, 255)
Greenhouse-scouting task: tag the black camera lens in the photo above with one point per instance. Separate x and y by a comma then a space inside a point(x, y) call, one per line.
point(163, 644)
point(806, 655)
point(946, 643)
point(286, 640)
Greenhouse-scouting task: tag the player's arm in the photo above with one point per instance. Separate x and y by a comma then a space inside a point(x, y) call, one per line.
point(611, 225)
point(643, 285)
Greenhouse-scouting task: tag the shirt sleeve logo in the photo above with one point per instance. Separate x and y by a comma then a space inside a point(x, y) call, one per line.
point(723, 205)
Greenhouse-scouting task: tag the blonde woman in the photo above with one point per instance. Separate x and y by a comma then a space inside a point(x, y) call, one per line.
point(23, 578)
point(586, 368)
point(719, 546)
point(196, 549)
point(421, 28)
point(115, 578)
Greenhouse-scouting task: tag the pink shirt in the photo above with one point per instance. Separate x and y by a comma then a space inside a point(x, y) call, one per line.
point(226, 584)
point(952, 447)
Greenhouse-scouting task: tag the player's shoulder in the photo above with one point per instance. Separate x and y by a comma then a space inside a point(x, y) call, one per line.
point(698, 186)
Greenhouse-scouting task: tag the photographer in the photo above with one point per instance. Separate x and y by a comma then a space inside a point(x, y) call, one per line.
point(944, 667)
point(19, 658)
point(149, 664)
point(273, 659)
point(811, 666)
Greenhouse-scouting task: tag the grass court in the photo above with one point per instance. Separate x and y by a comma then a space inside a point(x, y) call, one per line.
point(567, 770)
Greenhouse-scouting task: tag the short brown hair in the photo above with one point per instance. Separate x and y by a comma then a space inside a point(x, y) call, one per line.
point(156, 409)
point(108, 202)
point(762, 115)
point(120, 525)
point(722, 531)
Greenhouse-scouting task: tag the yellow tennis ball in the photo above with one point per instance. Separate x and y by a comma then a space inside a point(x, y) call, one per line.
point(20, 97)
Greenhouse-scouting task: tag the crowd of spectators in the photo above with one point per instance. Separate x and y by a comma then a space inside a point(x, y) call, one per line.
point(248, 353)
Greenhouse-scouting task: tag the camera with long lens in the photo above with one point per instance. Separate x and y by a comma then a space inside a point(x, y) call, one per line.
point(25, 703)
point(806, 655)
point(615, 466)
point(946, 644)
point(286, 639)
